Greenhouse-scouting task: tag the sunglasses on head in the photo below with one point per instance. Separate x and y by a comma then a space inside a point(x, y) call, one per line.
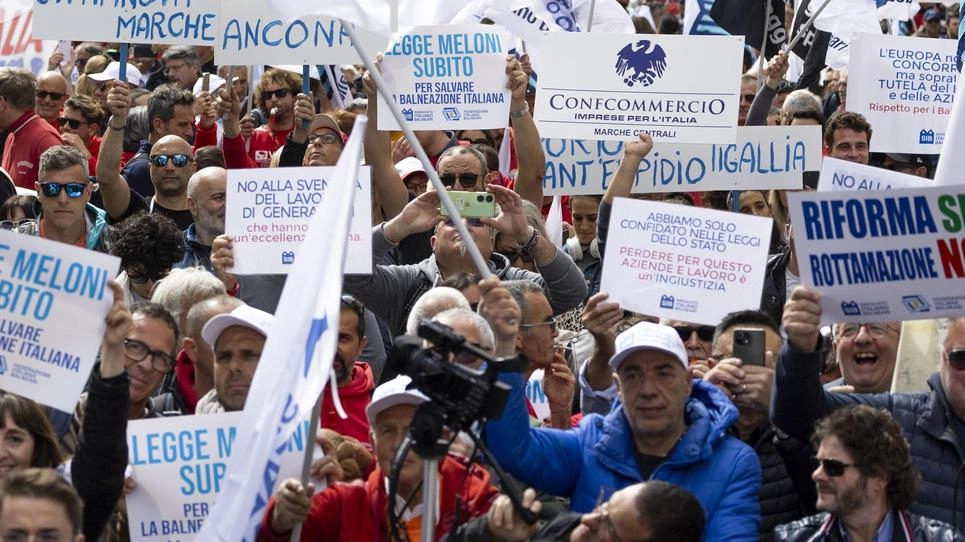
point(43, 95)
point(704, 333)
point(832, 467)
point(465, 179)
point(471, 222)
point(74, 123)
point(278, 94)
point(52, 190)
point(161, 160)
point(956, 358)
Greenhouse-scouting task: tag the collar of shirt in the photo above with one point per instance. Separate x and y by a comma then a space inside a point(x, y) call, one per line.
point(883, 534)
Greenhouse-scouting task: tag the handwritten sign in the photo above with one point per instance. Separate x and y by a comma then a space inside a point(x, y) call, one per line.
point(179, 464)
point(174, 22)
point(20, 49)
point(612, 86)
point(764, 157)
point(46, 288)
point(882, 256)
point(269, 210)
point(905, 87)
point(252, 33)
point(684, 263)
point(841, 175)
point(447, 77)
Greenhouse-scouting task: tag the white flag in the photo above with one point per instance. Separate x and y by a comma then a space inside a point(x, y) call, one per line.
point(504, 153)
point(372, 15)
point(341, 94)
point(296, 361)
point(951, 163)
point(554, 221)
point(846, 17)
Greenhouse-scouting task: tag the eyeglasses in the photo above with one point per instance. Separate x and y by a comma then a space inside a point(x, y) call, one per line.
point(324, 139)
point(551, 323)
point(278, 94)
point(832, 467)
point(74, 123)
point(179, 159)
point(43, 95)
point(161, 362)
point(464, 179)
point(52, 190)
point(471, 222)
point(747, 97)
point(956, 358)
point(704, 333)
point(137, 278)
point(876, 331)
point(513, 255)
point(14, 224)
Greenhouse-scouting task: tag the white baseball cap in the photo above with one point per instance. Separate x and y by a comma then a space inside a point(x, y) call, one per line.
point(113, 72)
point(214, 83)
point(392, 393)
point(648, 336)
point(243, 315)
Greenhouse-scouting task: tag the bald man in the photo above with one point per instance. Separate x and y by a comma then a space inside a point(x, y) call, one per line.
point(206, 202)
point(52, 92)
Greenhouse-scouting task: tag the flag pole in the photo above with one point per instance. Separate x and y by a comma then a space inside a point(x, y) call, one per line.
point(589, 23)
point(420, 153)
point(122, 62)
point(805, 27)
point(761, 56)
point(309, 455)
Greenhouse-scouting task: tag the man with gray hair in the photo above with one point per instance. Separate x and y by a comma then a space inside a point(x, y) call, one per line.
point(63, 191)
point(206, 201)
point(182, 65)
point(436, 300)
point(28, 135)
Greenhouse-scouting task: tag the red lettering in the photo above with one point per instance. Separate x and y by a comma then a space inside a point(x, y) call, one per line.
point(951, 256)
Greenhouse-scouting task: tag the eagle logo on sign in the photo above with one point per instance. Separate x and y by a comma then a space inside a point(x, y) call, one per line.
point(641, 63)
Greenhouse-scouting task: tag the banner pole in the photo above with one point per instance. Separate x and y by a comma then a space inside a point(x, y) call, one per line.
point(805, 27)
point(122, 54)
point(589, 23)
point(313, 425)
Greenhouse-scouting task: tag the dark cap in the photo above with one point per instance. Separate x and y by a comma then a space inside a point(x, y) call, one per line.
point(933, 15)
point(143, 50)
point(911, 160)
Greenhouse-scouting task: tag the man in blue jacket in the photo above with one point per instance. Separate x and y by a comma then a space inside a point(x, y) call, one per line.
point(664, 427)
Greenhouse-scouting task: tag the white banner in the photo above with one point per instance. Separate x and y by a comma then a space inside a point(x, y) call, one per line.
point(684, 263)
point(447, 78)
point(905, 87)
point(537, 395)
point(841, 175)
point(764, 157)
point(19, 48)
point(612, 86)
point(269, 211)
point(53, 300)
point(194, 22)
point(882, 256)
point(179, 464)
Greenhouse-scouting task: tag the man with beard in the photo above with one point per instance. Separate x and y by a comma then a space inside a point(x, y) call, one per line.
point(206, 202)
point(865, 480)
point(238, 337)
point(354, 378)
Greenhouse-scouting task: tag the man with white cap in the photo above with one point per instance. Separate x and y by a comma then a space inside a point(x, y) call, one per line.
point(237, 337)
point(361, 510)
point(665, 426)
point(113, 73)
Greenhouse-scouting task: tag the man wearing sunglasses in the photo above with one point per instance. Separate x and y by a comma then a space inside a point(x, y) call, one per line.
point(28, 135)
point(63, 192)
point(933, 421)
point(79, 124)
point(865, 482)
point(275, 96)
point(51, 94)
point(697, 338)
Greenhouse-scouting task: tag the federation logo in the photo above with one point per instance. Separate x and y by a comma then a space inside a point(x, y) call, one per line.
point(850, 308)
point(287, 257)
point(641, 63)
point(666, 301)
point(451, 113)
point(926, 137)
point(407, 114)
point(915, 303)
point(3, 365)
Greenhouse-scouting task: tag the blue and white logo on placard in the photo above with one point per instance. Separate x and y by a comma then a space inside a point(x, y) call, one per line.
point(3, 365)
point(915, 303)
point(850, 308)
point(926, 137)
point(287, 257)
point(666, 301)
point(451, 113)
point(641, 63)
point(407, 113)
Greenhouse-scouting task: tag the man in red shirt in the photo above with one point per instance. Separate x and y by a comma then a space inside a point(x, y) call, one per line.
point(28, 135)
point(275, 95)
point(78, 126)
point(51, 94)
point(355, 379)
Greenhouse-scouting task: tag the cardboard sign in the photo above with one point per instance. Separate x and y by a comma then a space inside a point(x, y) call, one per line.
point(841, 175)
point(269, 210)
point(764, 157)
point(252, 33)
point(53, 300)
point(179, 464)
point(176, 22)
point(905, 87)
point(684, 263)
point(613, 86)
point(882, 256)
point(447, 78)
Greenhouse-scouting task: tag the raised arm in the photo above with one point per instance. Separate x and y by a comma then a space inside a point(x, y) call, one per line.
point(633, 154)
point(773, 74)
point(388, 186)
point(113, 187)
point(529, 150)
point(233, 145)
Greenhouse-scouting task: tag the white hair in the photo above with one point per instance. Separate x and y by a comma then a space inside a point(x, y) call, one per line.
point(436, 300)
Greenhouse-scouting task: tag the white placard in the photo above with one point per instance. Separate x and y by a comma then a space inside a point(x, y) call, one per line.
point(764, 157)
point(684, 263)
point(179, 464)
point(882, 256)
point(53, 300)
point(841, 175)
point(447, 78)
point(269, 210)
point(537, 395)
point(176, 22)
point(252, 33)
point(21, 49)
point(905, 87)
point(612, 86)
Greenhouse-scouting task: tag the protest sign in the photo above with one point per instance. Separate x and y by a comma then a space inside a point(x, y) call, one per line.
point(177, 22)
point(537, 395)
point(763, 157)
point(251, 33)
point(678, 88)
point(179, 465)
point(46, 288)
point(20, 49)
point(447, 77)
point(684, 263)
point(697, 19)
point(841, 175)
point(882, 256)
point(269, 210)
point(905, 88)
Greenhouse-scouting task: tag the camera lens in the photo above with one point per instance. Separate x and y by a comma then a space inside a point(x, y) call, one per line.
point(742, 338)
point(489, 198)
point(480, 198)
